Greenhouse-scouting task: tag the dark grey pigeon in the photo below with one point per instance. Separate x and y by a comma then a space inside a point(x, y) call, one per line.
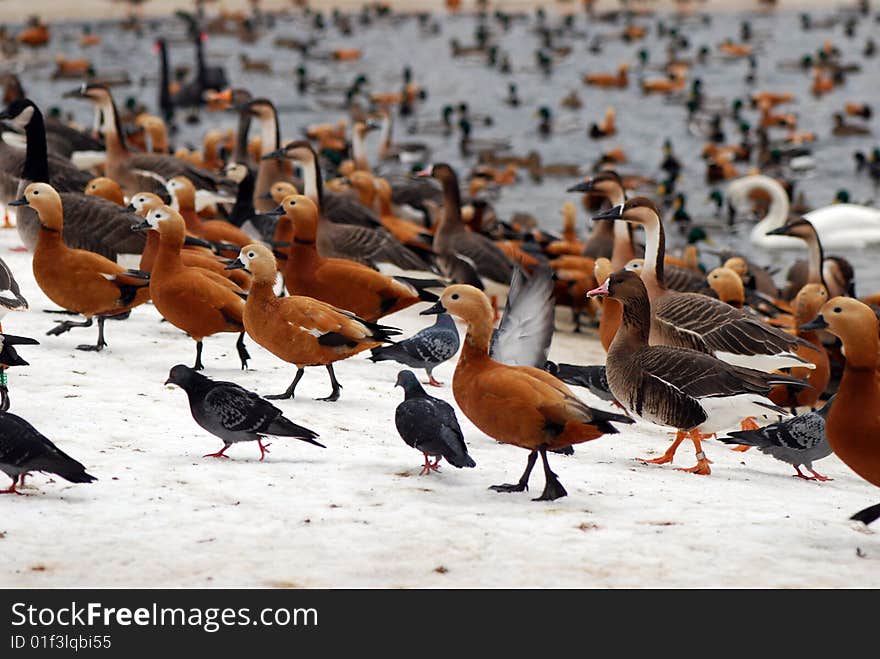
point(429, 425)
point(797, 441)
point(10, 357)
point(425, 349)
point(233, 413)
point(23, 450)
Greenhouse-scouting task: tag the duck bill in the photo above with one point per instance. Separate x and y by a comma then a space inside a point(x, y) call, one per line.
point(434, 310)
point(236, 265)
point(818, 323)
point(278, 154)
point(192, 241)
point(265, 195)
point(275, 212)
point(778, 231)
point(141, 226)
point(614, 213)
point(583, 186)
point(128, 209)
point(601, 291)
point(21, 201)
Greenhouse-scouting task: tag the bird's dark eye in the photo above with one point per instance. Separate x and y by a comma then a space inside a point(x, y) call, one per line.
point(36, 192)
point(455, 296)
point(251, 255)
point(837, 309)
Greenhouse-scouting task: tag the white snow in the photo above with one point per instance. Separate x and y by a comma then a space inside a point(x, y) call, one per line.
point(357, 514)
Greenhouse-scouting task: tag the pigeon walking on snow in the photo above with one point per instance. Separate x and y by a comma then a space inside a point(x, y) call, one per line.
point(23, 450)
point(429, 425)
point(426, 349)
point(233, 413)
point(797, 441)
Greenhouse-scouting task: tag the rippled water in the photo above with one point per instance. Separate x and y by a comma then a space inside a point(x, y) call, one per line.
point(644, 122)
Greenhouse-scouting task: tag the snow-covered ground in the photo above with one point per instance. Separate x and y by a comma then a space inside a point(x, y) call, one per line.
point(357, 513)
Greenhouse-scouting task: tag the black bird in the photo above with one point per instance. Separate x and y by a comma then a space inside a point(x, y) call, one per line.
point(9, 357)
point(23, 450)
point(429, 425)
point(426, 349)
point(233, 413)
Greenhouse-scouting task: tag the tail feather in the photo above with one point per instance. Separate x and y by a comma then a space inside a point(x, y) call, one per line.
point(284, 427)
point(460, 460)
point(745, 437)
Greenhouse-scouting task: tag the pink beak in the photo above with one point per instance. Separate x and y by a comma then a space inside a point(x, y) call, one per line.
point(599, 292)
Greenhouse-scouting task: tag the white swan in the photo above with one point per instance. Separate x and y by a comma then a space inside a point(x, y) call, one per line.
point(839, 226)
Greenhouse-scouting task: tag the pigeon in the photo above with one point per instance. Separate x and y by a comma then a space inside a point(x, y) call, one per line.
point(426, 349)
point(23, 450)
point(526, 329)
point(233, 413)
point(9, 357)
point(429, 425)
point(797, 441)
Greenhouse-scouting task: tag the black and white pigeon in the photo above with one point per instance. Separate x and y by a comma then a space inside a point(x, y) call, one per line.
point(11, 298)
point(429, 425)
point(23, 450)
point(233, 413)
point(797, 441)
point(526, 329)
point(425, 349)
point(9, 357)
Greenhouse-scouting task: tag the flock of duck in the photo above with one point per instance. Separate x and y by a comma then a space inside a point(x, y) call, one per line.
point(245, 237)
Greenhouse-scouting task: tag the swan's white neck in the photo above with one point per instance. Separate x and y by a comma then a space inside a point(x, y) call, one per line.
point(359, 151)
point(310, 179)
point(268, 135)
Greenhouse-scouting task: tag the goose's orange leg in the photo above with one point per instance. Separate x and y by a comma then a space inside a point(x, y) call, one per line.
point(670, 452)
point(702, 466)
point(746, 424)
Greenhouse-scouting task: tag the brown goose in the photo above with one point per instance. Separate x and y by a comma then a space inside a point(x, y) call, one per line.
point(456, 245)
point(690, 391)
point(138, 172)
point(346, 241)
point(90, 223)
point(835, 274)
point(699, 322)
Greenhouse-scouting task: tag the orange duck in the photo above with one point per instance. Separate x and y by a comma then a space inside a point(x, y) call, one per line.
point(853, 423)
point(71, 67)
point(106, 188)
point(340, 282)
point(822, 82)
point(570, 244)
point(35, 34)
point(183, 192)
point(766, 100)
point(807, 304)
point(620, 80)
point(75, 279)
point(728, 286)
point(301, 330)
point(518, 405)
point(408, 233)
point(193, 255)
point(195, 300)
point(667, 85)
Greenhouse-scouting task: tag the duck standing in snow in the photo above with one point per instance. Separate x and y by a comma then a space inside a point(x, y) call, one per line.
point(429, 425)
point(427, 348)
point(23, 450)
point(519, 405)
point(233, 413)
point(301, 330)
point(853, 423)
point(690, 391)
